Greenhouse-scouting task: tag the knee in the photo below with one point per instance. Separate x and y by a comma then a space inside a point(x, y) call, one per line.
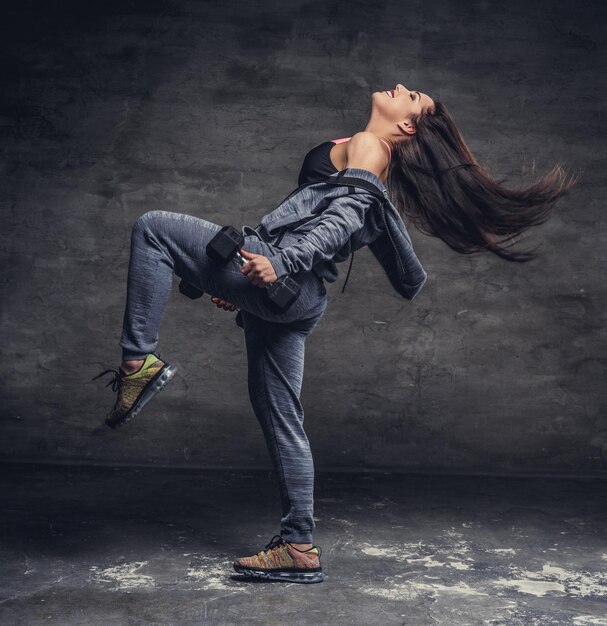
point(146, 220)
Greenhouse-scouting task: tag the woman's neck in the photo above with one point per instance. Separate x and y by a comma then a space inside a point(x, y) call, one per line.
point(381, 129)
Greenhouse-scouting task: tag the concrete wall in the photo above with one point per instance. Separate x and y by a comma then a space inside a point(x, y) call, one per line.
point(112, 109)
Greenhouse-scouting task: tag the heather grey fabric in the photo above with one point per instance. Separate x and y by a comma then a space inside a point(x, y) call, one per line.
point(345, 222)
point(275, 355)
point(165, 243)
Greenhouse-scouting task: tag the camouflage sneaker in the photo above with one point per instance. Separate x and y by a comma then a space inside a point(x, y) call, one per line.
point(282, 561)
point(137, 389)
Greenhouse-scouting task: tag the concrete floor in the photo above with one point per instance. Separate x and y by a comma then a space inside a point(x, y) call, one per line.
point(82, 545)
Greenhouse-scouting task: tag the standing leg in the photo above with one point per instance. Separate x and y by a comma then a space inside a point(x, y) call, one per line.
point(275, 355)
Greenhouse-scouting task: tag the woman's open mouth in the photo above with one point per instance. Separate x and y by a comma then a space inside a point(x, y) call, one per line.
point(390, 93)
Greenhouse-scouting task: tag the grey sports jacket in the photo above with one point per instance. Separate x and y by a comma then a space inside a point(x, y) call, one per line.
point(344, 223)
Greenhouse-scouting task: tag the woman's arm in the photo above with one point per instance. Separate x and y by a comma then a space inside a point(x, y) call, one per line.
point(338, 222)
point(344, 216)
point(392, 248)
point(341, 219)
point(396, 255)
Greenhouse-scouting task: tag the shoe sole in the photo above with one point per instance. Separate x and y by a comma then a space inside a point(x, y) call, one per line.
point(158, 383)
point(292, 577)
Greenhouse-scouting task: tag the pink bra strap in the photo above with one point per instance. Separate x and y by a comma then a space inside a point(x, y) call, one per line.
point(389, 147)
point(344, 139)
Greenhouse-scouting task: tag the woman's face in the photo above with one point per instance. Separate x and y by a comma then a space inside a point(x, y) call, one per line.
point(396, 106)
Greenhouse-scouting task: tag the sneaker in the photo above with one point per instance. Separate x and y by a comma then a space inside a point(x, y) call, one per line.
point(282, 561)
point(137, 389)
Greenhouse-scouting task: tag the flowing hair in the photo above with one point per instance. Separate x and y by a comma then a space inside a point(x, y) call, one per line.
point(435, 181)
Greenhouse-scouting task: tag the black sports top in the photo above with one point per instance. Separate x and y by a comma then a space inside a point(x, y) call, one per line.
point(317, 163)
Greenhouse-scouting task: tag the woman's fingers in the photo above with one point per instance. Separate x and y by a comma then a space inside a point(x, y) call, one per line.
point(223, 304)
point(261, 277)
point(258, 269)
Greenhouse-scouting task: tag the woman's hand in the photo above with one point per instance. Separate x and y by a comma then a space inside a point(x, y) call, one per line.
point(223, 304)
point(258, 270)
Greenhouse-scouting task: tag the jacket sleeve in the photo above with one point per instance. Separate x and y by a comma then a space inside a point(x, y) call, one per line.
point(344, 216)
point(403, 269)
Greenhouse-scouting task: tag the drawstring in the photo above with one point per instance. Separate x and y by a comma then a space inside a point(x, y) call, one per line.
point(348, 274)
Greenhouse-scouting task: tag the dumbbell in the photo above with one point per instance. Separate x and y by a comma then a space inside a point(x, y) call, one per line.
point(226, 244)
point(187, 289)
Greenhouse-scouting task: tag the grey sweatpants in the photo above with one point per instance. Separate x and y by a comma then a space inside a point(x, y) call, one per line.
point(165, 243)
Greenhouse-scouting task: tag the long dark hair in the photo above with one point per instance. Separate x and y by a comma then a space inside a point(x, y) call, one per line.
point(436, 182)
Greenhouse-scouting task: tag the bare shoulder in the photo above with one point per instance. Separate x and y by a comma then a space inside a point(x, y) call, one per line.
point(364, 142)
point(367, 152)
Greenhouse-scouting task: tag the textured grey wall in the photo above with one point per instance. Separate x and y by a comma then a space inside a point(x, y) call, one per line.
point(113, 110)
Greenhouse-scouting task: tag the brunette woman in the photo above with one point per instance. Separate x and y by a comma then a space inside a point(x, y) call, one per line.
point(411, 151)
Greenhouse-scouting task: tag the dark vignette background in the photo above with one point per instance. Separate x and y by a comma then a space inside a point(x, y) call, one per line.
point(112, 109)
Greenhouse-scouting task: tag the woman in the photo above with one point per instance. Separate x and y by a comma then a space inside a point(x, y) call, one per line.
point(410, 142)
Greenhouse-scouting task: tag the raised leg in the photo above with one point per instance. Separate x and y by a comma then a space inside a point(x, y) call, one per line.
point(165, 243)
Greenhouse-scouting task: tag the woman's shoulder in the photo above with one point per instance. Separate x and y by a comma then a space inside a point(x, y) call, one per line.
point(367, 151)
point(366, 140)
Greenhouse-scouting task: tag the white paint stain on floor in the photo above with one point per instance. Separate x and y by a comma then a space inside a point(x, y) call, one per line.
point(404, 552)
point(428, 561)
point(210, 572)
point(532, 587)
point(460, 588)
point(579, 583)
point(558, 579)
point(125, 576)
point(457, 564)
point(452, 552)
point(395, 588)
point(589, 620)
point(501, 551)
point(377, 551)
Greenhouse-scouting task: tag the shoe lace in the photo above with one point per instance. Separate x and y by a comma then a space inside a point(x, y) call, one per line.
point(115, 382)
point(277, 540)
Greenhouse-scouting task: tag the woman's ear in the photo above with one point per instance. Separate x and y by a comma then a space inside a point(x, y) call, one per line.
point(406, 127)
